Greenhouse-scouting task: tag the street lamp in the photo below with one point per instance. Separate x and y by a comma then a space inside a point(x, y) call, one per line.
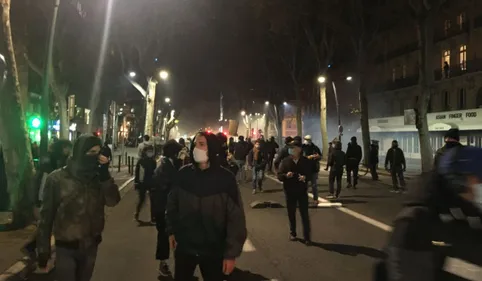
point(266, 102)
point(349, 78)
point(167, 100)
point(321, 79)
point(285, 103)
point(159, 111)
point(132, 74)
point(243, 113)
point(164, 74)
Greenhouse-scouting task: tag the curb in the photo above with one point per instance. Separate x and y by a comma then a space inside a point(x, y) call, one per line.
point(25, 266)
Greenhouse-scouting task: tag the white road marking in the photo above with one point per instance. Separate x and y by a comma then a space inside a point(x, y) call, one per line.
point(126, 183)
point(452, 265)
point(248, 247)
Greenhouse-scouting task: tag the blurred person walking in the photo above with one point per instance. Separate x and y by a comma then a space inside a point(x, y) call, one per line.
point(313, 153)
point(353, 158)
point(395, 163)
point(257, 163)
point(336, 163)
point(143, 180)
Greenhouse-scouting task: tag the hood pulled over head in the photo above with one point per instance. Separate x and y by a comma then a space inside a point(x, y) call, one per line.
point(213, 148)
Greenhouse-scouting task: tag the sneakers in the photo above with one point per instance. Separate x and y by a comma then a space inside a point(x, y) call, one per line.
point(254, 191)
point(136, 216)
point(331, 196)
point(164, 269)
point(293, 237)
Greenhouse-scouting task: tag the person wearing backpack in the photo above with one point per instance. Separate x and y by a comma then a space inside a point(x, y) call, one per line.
point(143, 181)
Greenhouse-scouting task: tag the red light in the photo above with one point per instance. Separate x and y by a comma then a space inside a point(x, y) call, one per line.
point(225, 133)
point(209, 132)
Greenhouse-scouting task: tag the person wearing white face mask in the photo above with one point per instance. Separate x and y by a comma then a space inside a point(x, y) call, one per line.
point(205, 217)
point(447, 210)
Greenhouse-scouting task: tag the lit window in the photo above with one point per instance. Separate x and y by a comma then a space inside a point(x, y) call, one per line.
point(404, 71)
point(463, 57)
point(461, 18)
point(445, 58)
point(394, 74)
point(447, 26)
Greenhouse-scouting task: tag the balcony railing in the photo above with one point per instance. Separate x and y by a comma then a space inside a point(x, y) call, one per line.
point(456, 70)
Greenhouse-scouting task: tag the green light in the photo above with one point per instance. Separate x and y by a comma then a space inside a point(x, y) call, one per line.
point(35, 123)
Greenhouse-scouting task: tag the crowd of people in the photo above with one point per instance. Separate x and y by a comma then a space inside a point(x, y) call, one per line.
point(196, 206)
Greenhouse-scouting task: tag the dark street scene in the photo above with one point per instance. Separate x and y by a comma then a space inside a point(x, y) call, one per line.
point(251, 140)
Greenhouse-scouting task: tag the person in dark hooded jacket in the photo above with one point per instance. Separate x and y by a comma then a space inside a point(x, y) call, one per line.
point(165, 174)
point(452, 139)
point(144, 179)
point(73, 210)
point(353, 158)
point(205, 216)
point(282, 153)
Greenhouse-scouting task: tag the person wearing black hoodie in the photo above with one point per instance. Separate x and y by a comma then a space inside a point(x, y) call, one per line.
point(452, 139)
point(353, 158)
point(282, 153)
point(205, 217)
point(143, 180)
point(73, 211)
point(396, 159)
point(165, 174)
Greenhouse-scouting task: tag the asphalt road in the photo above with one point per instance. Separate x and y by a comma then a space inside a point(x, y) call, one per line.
point(345, 245)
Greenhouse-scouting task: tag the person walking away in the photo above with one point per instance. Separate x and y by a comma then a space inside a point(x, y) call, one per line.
point(57, 158)
point(271, 149)
point(141, 146)
point(282, 153)
point(313, 153)
point(164, 177)
point(446, 207)
point(373, 161)
point(331, 148)
point(143, 181)
point(395, 163)
point(452, 139)
point(294, 172)
point(336, 162)
point(353, 159)
point(184, 153)
point(205, 217)
point(250, 144)
point(257, 163)
point(240, 153)
point(73, 207)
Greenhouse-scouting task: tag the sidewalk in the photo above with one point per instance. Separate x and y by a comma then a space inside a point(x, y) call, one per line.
point(409, 174)
point(12, 260)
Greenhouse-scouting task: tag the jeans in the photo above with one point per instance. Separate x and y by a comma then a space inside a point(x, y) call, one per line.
point(298, 199)
point(185, 265)
point(141, 191)
point(397, 172)
point(240, 175)
point(75, 264)
point(335, 175)
point(258, 176)
point(162, 248)
point(352, 167)
point(314, 185)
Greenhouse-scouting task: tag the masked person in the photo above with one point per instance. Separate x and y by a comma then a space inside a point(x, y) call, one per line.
point(165, 174)
point(141, 146)
point(374, 160)
point(57, 158)
point(282, 153)
point(336, 161)
point(73, 206)
point(353, 158)
point(205, 216)
point(293, 172)
point(313, 153)
point(143, 180)
point(396, 159)
point(271, 149)
point(447, 207)
point(257, 162)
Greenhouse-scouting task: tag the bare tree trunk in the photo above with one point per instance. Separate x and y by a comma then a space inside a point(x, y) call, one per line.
point(13, 132)
point(362, 95)
point(64, 118)
point(150, 106)
point(299, 118)
point(19, 28)
point(323, 125)
point(425, 34)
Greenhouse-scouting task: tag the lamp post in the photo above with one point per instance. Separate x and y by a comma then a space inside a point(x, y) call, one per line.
point(323, 121)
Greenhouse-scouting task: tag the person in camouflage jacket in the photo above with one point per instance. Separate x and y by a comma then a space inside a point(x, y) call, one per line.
point(74, 200)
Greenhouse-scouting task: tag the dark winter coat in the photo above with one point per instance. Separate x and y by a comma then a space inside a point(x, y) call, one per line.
point(310, 149)
point(395, 158)
point(302, 168)
point(144, 172)
point(164, 177)
point(337, 160)
point(441, 151)
point(260, 164)
point(354, 154)
point(241, 150)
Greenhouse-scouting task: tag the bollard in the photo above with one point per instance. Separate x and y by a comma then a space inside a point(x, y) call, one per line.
point(129, 164)
point(120, 160)
point(132, 165)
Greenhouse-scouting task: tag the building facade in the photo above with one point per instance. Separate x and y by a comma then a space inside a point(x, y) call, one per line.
point(457, 91)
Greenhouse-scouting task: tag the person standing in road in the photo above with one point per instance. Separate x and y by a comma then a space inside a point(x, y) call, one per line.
point(313, 153)
point(241, 151)
point(282, 153)
point(257, 163)
point(452, 139)
point(73, 206)
point(336, 162)
point(271, 149)
point(396, 159)
point(205, 217)
point(143, 180)
point(146, 142)
point(331, 148)
point(373, 161)
point(353, 158)
point(164, 177)
point(294, 172)
point(231, 145)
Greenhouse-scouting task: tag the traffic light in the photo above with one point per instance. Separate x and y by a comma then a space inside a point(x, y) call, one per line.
point(35, 122)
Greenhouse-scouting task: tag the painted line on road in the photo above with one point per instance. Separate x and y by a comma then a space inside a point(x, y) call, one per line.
point(248, 247)
point(126, 183)
point(455, 266)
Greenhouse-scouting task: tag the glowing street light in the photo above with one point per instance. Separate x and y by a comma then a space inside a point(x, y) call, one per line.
point(164, 74)
point(132, 74)
point(349, 78)
point(266, 102)
point(167, 100)
point(243, 113)
point(321, 79)
point(159, 111)
point(285, 103)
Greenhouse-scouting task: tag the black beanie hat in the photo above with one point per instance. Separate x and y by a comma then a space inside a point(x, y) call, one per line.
point(453, 134)
point(83, 144)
